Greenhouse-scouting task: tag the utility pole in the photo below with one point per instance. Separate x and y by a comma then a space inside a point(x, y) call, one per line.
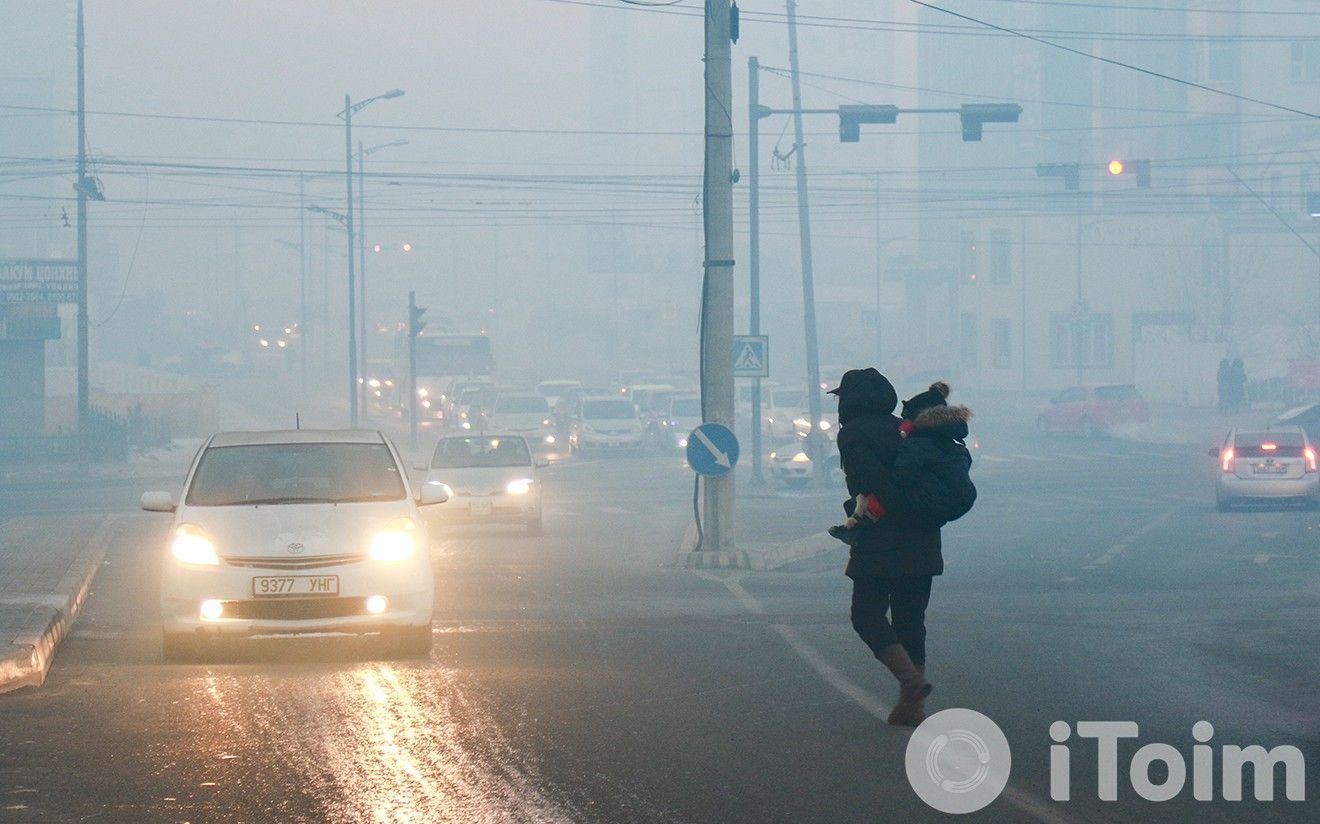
point(804, 235)
point(717, 303)
point(352, 289)
point(302, 286)
point(84, 388)
point(362, 271)
point(754, 252)
point(415, 326)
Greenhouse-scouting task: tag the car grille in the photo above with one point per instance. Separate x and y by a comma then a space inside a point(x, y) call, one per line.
point(293, 561)
point(295, 609)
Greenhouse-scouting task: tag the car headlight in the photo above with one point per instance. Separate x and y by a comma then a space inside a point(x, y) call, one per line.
point(550, 439)
point(825, 426)
point(545, 422)
point(801, 457)
point(466, 425)
point(519, 487)
point(191, 546)
point(394, 544)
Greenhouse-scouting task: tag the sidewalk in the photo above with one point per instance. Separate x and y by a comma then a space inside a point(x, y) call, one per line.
point(46, 569)
point(774, 528)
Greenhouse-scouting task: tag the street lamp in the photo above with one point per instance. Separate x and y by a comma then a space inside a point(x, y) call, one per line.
point(351, 108)
point(362, 244)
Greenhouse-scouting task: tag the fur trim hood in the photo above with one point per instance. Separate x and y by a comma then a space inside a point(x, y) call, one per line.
point(942, 421)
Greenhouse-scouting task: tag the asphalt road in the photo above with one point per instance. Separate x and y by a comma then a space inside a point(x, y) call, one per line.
point(580, 676)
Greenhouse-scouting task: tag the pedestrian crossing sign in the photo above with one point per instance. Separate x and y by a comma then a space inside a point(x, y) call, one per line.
point(751, 356)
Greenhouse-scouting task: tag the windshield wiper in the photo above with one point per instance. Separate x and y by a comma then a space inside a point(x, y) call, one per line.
point(281, 500)
point(379, 496)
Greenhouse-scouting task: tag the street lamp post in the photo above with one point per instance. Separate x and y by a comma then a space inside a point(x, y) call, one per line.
point(362, 250)
point(350, 108)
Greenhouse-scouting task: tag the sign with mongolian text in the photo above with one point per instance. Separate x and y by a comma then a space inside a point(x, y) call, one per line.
point(34, 280)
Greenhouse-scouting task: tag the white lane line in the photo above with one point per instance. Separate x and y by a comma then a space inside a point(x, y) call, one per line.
point(995, 459)
point(1190, 499)
point(559, 466)
point(1036, 458)
point(1135, 499)
point(1076, 499)
point(1068, 456)
point(1120, 547)
point(1024, 801)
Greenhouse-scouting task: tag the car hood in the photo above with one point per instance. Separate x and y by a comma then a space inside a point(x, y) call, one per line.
point(270, 530)
point(479, 480)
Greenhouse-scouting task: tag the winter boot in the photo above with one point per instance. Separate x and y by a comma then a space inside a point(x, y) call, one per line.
point(913, 687)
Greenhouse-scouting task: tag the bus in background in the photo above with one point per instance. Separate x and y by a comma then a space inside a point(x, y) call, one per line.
point(442, 360)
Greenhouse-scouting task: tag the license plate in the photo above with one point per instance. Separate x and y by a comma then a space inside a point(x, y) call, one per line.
point(481, 508)
point(299, 586)
point(1270, 469)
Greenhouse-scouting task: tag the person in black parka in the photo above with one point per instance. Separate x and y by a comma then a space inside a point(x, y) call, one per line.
point(893, 563)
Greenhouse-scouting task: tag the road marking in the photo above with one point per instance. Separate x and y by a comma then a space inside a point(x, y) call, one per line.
point(1024, 801)
point(995, 459)
point(1076, 499)
point(1189, 499)
point(1134, 499)
point(1036, 458)
point(1118, 548)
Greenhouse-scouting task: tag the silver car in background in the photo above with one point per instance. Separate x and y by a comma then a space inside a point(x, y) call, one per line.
point(1270, 465)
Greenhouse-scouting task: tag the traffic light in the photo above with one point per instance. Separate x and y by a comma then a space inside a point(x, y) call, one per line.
point(415, 322)
point(1070, 172)
point(851, 118)
point(1140, 169)
point(975, 115)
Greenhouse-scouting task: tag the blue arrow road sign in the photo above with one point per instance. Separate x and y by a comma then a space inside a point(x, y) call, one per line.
point(712, 449)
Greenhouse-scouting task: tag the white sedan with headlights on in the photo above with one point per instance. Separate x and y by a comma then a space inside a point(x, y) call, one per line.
point(794, 468)
point(527, 415)
point(492, 478)
point(294, 532)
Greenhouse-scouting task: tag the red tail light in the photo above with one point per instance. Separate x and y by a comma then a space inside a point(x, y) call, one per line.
point(1309, 454)
point(1226, 459)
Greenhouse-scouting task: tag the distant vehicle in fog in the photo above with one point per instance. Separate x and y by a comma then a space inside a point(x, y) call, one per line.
point(294, 532)
point(683, 416)
point(1092, 410)
point(441, 360)
point(527, 415)
point(1307, 417)
point(1272, 465)
point(606, 423)
point(553, 391)
point(493, 478)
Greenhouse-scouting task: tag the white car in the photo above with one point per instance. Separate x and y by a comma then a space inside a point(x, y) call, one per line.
point(294, 532)
point(552, 391)
point(683, 416)
point(492, 478)
point(1277, 464)
point(607, 423)
point(526, 415)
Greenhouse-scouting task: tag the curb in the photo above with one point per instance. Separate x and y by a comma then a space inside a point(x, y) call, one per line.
point(31, 653)
point(760, 559)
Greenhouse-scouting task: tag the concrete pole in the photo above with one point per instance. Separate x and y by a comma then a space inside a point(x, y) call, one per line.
point(754, 252)
point(352, 288)
point(717, 311)
point(302, 286)
point(84, 386)
point(804, 235)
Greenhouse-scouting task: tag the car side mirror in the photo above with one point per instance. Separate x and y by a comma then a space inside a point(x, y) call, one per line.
point(541, 463)
point(158, 502)
point(1214, 452)
point(434, 492)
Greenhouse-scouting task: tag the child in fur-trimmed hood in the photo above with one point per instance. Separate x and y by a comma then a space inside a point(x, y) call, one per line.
point(930, 484)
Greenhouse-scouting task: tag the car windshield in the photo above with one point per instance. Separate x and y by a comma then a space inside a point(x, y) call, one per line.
point(686, 408)
point(521, 404)
point(290, 473)
point(608, 410)
point(460, 453)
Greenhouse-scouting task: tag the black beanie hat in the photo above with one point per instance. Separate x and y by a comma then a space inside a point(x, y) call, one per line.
point(936, 395)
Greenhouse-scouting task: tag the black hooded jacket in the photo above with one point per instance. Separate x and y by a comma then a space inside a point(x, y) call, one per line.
point(868, 444)
point(930, 484)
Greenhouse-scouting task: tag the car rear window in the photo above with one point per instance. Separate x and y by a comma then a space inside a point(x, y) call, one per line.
point(1117, 393)
point(1268, 445)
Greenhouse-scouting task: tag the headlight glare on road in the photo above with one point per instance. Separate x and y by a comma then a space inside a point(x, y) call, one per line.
point(519, 487)
point(394, 544)
point(191, 546)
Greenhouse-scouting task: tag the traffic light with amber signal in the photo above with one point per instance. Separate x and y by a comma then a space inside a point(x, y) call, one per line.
point(1140, 169)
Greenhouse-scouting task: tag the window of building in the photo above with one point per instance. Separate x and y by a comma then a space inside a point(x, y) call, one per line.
point(1001, 342)
point(967, 340)
point(1306, 62)
point(1001, 256)
point(1081, 340)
